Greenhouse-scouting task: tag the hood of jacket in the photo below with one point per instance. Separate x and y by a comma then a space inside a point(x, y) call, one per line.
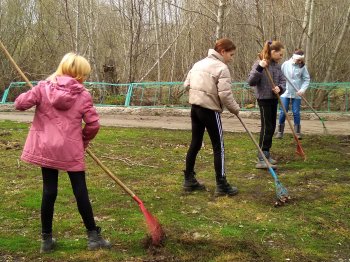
point(215, 55)
point(63, 92)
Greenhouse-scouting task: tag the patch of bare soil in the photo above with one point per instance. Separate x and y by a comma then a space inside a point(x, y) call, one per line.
point(5, 144)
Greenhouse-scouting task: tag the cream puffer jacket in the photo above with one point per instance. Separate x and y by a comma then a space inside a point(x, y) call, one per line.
point(210, 84)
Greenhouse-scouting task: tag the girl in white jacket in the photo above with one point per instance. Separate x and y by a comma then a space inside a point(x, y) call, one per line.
point(296, 72)
point(210, 91)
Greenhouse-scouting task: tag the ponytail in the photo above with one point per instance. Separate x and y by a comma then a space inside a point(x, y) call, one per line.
point(268, 47)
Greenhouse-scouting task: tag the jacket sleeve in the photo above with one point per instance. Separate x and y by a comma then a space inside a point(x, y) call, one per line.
point(29, 99)
point(187, 81)
point(281, 82)
point(89, 132)
point(91, 119)
point(254, 75)
point(305, 77)
point(225, 92)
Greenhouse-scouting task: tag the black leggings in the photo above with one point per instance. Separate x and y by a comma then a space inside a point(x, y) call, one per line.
point(201, 119)
point(50, 183)
point(268, 116)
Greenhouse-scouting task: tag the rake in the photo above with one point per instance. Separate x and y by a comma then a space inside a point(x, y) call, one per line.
point(299, 149)
point(155, 229)
point(281, 191)
point(325, 131)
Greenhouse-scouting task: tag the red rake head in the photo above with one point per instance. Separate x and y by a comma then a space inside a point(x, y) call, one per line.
point(300, 151)
point(153, 226)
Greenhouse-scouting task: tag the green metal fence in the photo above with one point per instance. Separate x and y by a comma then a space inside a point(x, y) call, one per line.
point(174, 94)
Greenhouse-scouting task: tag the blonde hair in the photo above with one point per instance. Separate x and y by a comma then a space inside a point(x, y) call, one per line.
point(75, 66)
point(268, 47)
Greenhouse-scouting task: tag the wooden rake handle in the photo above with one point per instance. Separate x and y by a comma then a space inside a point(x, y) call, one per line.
point(14, 64)
point(120, 183)
point(305, 100)
point(282, 106)
point(255, 143)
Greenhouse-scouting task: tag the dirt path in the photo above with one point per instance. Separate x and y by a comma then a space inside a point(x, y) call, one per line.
point(182, 122)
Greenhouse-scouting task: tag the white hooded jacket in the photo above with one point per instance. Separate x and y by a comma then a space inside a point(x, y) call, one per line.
point(299, 76)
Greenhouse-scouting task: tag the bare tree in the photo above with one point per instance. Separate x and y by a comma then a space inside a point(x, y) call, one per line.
point(159, 40)
point(321, 94)
point(220, 19)
point(309, 41)
point(303, 35)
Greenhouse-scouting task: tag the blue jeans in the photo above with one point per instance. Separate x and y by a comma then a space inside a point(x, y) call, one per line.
point(295, 109)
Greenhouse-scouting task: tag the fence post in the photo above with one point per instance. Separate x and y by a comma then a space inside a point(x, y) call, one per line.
point(346, 100)
point(6, 92)
point(328, 101)
point(129, 95)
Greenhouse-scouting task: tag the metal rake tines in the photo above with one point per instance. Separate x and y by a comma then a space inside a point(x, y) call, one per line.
point(281, 193)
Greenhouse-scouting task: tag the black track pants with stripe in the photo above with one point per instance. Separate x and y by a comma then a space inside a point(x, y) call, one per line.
point(201, 119)
point(268, 116)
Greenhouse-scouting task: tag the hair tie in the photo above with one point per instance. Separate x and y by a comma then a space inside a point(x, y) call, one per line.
point(269, 42)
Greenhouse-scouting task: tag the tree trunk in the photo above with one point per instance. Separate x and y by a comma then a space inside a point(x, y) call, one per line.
point(220, 19)
point(322, 94)
point(303, 36)
point(156, 24)
point(309, 41)
point(77, 27)
point(260, 26)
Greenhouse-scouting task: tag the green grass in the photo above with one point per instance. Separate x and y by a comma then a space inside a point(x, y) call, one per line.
point(314, 226)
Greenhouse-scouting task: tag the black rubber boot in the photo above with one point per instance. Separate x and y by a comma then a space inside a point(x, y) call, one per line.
point(95, 240)
point(280, 131)
point(224, 189)
point(297, 129)
point(191, 183)
point(47, 243)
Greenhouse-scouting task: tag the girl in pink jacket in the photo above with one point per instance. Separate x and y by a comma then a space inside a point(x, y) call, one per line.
point(56, 141)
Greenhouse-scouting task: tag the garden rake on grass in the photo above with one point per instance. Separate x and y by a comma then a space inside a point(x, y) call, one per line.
point(281, 191)
point(299, 149)
point(156, 232)
point(154, 228)
point(325, 131)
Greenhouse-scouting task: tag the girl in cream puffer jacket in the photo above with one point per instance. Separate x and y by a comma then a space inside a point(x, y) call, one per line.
point(210, 91)
point(210, 84)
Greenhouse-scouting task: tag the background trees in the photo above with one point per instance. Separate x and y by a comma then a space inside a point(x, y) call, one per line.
point(159, 40)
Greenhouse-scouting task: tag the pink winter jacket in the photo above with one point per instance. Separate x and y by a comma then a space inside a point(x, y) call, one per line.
point(56, 138)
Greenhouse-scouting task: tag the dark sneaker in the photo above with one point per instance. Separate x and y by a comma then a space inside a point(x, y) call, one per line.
point(225, 189)
point(96, 241)
point(47, 243)
point(193, 185)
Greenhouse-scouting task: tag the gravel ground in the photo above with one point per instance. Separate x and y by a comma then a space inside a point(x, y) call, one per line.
point(171, 118)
